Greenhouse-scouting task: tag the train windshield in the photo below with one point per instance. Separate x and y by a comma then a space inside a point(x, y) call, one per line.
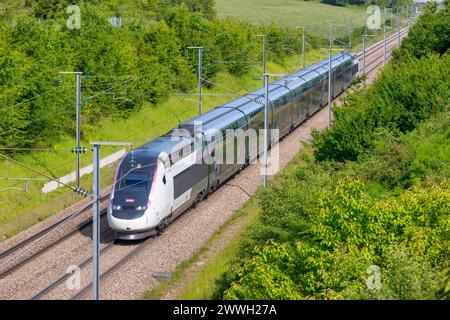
point(136, 181)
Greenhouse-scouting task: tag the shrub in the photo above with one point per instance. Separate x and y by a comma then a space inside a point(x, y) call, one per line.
point(431, 34)
point(404, 95)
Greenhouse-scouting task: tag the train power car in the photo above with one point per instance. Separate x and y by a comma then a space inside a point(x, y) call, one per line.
point(160, 180)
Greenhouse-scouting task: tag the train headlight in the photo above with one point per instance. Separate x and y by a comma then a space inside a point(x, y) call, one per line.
point(141, 208)
point(116, 207)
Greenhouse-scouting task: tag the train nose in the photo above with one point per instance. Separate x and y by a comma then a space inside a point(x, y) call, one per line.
point(127, 221)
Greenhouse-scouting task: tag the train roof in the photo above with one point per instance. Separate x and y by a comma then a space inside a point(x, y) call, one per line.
point(167, 143)
point(254, 99)
point(232, 111)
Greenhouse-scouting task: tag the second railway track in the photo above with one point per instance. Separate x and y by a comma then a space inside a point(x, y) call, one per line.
point(30, 248)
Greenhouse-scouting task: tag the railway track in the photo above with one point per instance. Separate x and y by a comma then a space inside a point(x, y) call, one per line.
point(113, 267)
point(373, 64)
point(378, 45)
point(22, 256)
point(57, 282)
point(136, 248)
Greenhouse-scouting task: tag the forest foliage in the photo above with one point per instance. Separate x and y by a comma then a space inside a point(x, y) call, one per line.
point(409, 90)
point(143, 60)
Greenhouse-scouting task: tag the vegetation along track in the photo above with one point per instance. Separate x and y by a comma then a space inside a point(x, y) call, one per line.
point(122, 252)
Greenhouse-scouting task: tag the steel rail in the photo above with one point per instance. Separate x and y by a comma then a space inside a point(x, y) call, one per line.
point(64, 276)
point(43, 233)
point(116, 265)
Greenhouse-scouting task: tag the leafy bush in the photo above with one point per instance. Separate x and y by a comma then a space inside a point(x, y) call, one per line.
point(378, 199)
point(47, 8)
point(333, 220)
point(404, 95)
point(406, 236)
point(431, 34)
point(143, 60)
point(264, 276)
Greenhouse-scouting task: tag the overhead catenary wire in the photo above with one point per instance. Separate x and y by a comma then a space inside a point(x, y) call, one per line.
point(36, 120)
point(237, 53)
point(37, 172)
point(251, 44)
point(110, 88)
point(133, 134)
point(30, 99)
point(240, 52)
point(67, 110)
point(56, 228)
point(35, 149)
point(51, 169)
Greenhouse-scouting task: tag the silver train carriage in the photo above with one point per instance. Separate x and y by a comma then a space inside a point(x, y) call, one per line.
point(163, 178)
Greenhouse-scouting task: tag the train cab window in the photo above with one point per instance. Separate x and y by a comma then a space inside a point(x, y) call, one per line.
point(135, 181)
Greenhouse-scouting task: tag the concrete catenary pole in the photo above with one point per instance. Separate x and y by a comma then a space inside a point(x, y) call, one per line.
point(78, 126)
point(303, 47)
point(78, 121)
point(266, 126)
point(350, 34)
point(96, 214)
point(302, 44)
point(200, 77)
point(330, 34)
point(384, 39)
point(392, 12)
point(329, 87)
point(364, 53)
point(264, 51)
point(96, 224)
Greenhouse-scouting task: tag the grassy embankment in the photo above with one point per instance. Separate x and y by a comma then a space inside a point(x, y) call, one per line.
point(291, 13)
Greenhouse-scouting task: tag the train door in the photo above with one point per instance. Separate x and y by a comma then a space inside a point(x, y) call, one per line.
point(316, 98)
point(325, 91)
point(210, 158)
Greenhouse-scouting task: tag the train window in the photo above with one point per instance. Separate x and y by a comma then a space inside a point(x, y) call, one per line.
point(164, 179)
point(135, 181)
point(316, 97)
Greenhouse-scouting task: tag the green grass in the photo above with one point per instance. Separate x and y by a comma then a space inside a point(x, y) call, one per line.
point(204, 285)
point(291, 13)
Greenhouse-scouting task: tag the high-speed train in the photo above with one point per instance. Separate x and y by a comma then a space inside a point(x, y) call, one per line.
point(160, 180)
